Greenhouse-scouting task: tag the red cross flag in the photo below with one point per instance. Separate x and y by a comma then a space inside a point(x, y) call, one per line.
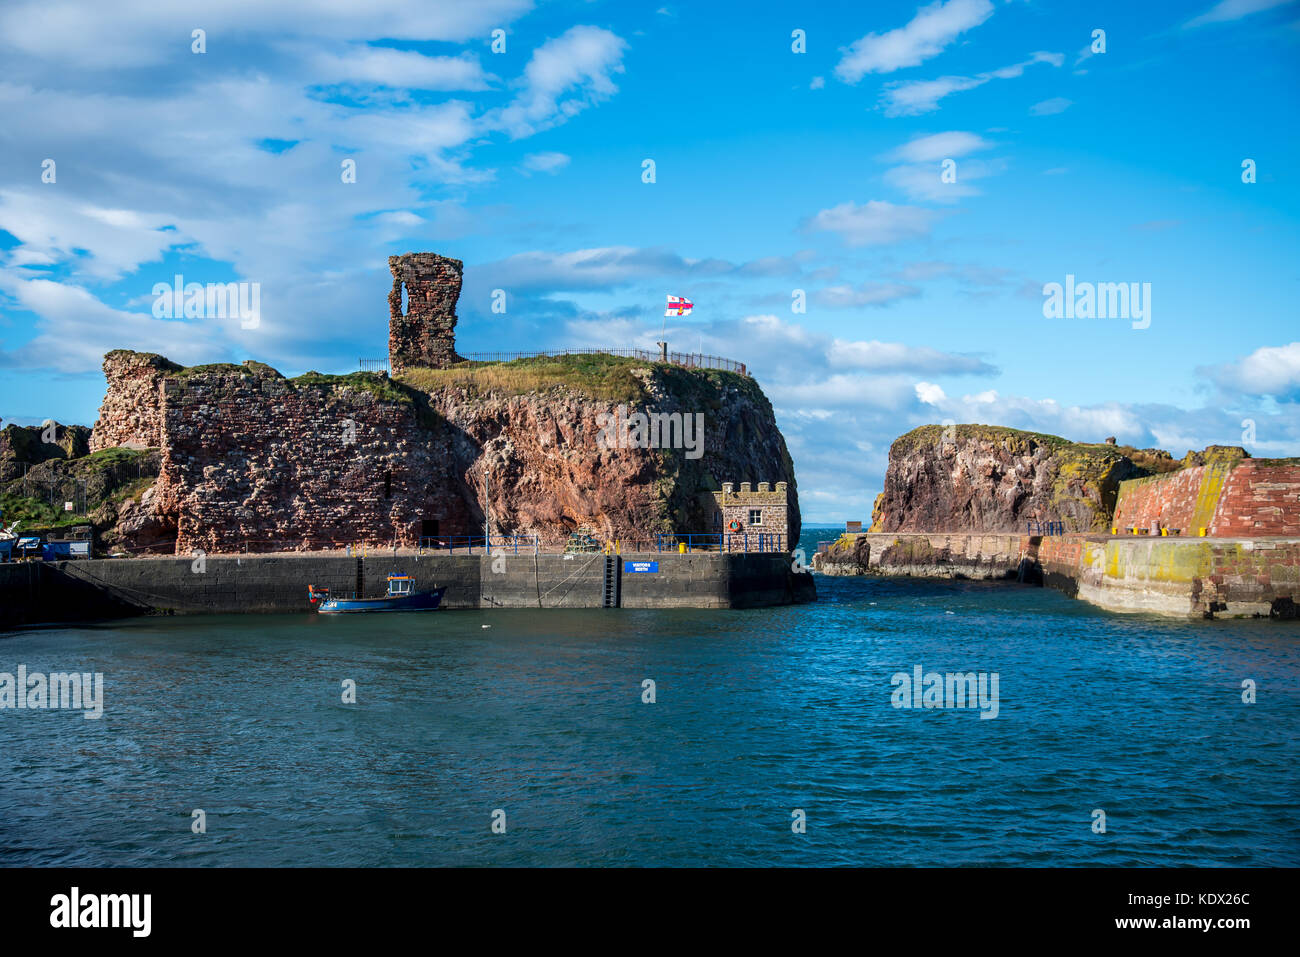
point(677, 306)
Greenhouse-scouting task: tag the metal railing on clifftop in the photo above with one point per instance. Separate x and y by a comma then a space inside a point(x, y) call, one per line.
point(688, 360)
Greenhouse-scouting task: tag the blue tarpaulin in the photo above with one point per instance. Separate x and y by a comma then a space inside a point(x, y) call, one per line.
point(56, 550)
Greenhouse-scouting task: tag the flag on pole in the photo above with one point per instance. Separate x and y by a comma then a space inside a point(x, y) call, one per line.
point(677, 306)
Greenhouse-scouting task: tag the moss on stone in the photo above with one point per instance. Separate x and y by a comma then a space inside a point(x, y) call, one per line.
point(380, 386)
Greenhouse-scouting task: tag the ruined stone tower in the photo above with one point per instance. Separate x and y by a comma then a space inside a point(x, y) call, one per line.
point(426, 334)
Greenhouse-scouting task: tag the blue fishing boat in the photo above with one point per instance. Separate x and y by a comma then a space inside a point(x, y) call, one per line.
point(401, 596)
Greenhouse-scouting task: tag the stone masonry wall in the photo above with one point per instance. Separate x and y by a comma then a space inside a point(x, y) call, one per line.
point(1249, 498)
point(131, 414)
point(425, 335)
point(252, 457)
point(1183, 500)
point(1259, 498)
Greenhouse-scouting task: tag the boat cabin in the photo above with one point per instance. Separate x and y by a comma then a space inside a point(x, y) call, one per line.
point(400, 585)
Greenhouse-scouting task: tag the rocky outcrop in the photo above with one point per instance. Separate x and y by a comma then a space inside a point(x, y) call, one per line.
point(937, 555)
point(425, 334)
point(101, 487)
point(549, 472)
point(22, 446)
point(989, 479)
point(252, 460)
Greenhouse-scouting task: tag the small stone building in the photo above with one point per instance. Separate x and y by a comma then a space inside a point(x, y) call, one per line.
point(750, 512)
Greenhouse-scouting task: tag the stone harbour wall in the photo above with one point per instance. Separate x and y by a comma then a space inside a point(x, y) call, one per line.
point(101, 588)
point(1174, 576)
point(1242, 498)
point(1260, 497)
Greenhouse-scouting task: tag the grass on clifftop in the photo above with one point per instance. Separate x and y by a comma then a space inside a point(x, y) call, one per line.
point(1019, 438)
point(596, 375)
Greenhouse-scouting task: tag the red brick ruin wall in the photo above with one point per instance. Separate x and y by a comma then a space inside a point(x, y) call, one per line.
point(329, 467)
point(132, 411)
point(1259, 499)
point(425, 335)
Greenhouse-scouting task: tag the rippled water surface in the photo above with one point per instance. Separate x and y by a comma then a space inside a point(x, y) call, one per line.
point(757, 713)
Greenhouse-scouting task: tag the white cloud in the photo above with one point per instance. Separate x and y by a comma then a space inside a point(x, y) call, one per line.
point(54, 227)
point(929, 393)
point(938, 146)
point(925, 36)
point(817, 83)
point(866, 294)
point(897, 357)
point(922, 96)
point(926, 182)
point(545, 162)
point(1057, 104)
point(76, 329)
point(399, 68)
point(564, 76)
point(1269, 370)
point(1227, 10)
point(97, 35)
point(874, 223)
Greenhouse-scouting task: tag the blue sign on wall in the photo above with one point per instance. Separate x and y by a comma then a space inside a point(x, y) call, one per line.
point(633, 567)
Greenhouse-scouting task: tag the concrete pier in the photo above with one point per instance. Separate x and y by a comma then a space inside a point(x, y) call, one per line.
point(102, 588)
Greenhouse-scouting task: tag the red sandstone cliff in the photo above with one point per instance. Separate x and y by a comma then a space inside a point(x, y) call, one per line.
point(986, 478)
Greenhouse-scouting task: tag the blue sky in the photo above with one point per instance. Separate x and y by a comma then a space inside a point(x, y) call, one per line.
point(775, 171)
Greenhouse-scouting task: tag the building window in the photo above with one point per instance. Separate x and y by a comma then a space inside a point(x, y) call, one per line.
point(755, 516)
point(388, 485)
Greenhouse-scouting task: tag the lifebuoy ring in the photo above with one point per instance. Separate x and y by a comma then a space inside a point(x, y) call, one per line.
point(734, 525)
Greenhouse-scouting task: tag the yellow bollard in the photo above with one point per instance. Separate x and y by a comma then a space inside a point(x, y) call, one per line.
point(1164, 532)
point(1202, 533)
point(1114, 529)
point(681, 548)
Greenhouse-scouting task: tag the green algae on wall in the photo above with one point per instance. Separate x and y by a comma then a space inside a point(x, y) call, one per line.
point(1207, 497)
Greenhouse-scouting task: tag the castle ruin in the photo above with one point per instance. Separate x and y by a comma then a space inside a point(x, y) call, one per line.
point(424, 335)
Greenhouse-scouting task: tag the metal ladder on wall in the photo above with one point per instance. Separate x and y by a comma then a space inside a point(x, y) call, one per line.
point(611, 582)
point(361, 580)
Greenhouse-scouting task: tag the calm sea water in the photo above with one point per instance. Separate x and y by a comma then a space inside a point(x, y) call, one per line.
point(758, 713)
